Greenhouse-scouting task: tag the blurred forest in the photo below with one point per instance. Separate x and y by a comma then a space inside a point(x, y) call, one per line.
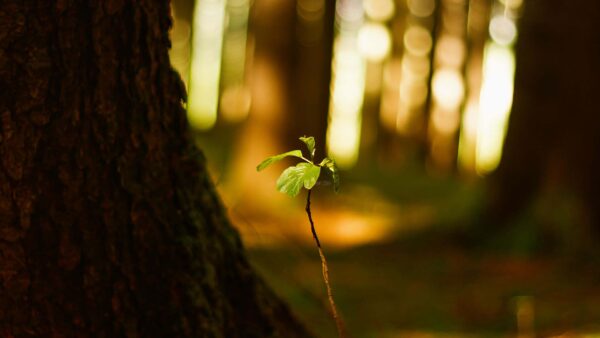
point(467, 134)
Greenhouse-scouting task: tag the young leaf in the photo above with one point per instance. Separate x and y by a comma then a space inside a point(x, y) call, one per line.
point(329, 164)
point(276, 158)
point(294, 178)
point(310, 144)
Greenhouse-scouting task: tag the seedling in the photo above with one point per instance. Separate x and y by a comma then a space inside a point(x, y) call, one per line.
point(306, 174)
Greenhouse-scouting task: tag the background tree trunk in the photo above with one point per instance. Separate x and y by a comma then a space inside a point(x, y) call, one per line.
point(310, 78)
point(109, 225)
point(553, 137)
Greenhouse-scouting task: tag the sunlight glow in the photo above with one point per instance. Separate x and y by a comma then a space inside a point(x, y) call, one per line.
point(413, 92)
point(343, 134)
point(374, 41)
point(491, 77)
point(413, 87)
point(343, 140)
point(379, 10)
point(347, 86)
point(349, 14)
point(415, 66)
point(235, 103)
point(203, 98)
point(352, 229)
point(495, 104)
point(421, 8)
point(468, 136)
point(235, 97)
point(445, 121)
point(512, 4)
point(389, 93)
point(448, 88)
point(417, 40)
point(503, 30)
point(450, 51)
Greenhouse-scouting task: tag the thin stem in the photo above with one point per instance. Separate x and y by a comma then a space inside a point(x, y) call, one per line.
point(338, 321)
point(306, 160)
point(312, 224)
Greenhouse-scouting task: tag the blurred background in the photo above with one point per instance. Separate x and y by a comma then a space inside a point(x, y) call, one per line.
point(467, 135)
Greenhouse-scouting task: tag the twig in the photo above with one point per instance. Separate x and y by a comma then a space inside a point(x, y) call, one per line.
point(338, 321)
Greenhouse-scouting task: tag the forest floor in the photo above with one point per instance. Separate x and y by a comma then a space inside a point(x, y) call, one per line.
point(431, 288)
point(399, 270)
point(398, 264)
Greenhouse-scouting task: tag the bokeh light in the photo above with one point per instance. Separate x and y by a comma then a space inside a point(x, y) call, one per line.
point(412, 99)
point(495, 104)
point(379, 10)
point(374, 41)
point(235, 103)
point(347, 86)
point(417, 40)
point(421, 8)
point(503, 30)
point(310, 10)
point(450, 51)
point(448, 88)
point(203, 92)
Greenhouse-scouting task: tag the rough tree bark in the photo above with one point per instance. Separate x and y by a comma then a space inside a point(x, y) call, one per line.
point(553, 136)
point(109, 225)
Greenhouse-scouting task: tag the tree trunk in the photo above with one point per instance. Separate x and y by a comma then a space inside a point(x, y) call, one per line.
point(553, 136)
point(109, 225)
point(311, 73)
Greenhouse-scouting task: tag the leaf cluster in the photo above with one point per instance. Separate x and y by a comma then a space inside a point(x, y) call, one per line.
point(304, 174)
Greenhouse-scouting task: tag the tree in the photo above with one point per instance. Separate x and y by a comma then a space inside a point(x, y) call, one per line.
point(553, 139)
point(109, 224)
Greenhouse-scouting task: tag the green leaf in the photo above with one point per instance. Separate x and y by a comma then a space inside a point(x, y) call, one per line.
point(329, 164)
point(294, 178)
point(310, 144)
point(276, 158)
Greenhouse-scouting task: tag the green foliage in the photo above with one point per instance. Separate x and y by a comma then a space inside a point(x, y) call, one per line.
point(329, 164)
point(304, 174)
point(310, 144)
point(276, 158)
point(293, 178)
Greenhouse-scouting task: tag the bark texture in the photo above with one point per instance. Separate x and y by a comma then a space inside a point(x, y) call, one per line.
point(109, 225)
